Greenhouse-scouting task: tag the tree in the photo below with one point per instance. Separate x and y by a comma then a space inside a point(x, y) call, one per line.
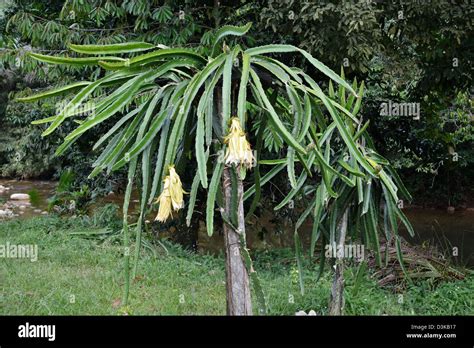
point(186, 101)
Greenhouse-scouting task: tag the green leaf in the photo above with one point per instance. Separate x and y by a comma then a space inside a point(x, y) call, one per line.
point(290, 167)
point(299, 261)
point(227, 30)
point(211, 196)
point(132, 87)
point(372, 225)
point(190, 93)
point(165, 53)
point(126, 47)
point(321, 197)
point(367, 196)
point(53, 92)
point(242, 97)
point(293, 192)
point(201, 157)
point(73, 61)
point(274, 117)
point(343, 131)
point(359, 276)
point(115, 127)
point(266, 178)
point(156, 183)
point(144, 142)
point(192, 199)
point(316, 63)
point(392, 188)
point(305, 213)
point(73, 105)
point(351, 170)
point(358, 103)
point(121, 145)
point(126, 236)
point(226, 86)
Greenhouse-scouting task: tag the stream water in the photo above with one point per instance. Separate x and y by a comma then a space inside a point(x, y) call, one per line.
point(436, 226)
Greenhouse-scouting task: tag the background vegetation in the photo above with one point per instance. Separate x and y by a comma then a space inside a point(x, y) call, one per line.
point(406, 51)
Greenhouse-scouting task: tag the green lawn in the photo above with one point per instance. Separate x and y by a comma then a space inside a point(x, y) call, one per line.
point(76, 275)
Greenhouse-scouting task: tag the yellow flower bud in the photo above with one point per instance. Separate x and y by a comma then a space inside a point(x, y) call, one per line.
point(176, 189)
point(238, 151)
point(164, 211)
point(171, 198)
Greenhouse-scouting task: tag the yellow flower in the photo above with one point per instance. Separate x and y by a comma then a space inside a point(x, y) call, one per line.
point(171, 198)
point(238, 149)
point(176, 189)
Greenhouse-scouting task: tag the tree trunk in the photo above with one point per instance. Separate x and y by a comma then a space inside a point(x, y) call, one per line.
point(237, 279)
point(336, 301)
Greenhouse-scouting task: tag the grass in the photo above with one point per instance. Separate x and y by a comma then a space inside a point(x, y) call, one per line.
point(75, 275)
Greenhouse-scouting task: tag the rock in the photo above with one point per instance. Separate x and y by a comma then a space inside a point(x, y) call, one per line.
point(5, 213)
point(302, 313)
point(44, 213)
point(20, 197)
point(22, 207)
point(451, 210)
point(17, 204)
point(37, 211)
